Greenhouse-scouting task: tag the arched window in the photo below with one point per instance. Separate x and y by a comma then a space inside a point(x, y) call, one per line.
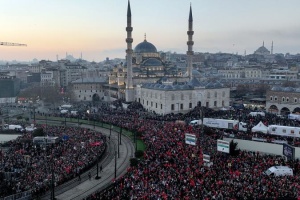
point(283, 99)
point(271, 98)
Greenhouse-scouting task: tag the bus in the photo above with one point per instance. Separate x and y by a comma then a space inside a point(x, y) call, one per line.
point(65, 107)
point(45, 140)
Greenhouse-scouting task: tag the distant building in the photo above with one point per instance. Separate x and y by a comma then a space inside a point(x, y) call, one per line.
point(168, 97)
point(89, 89)
point(262, 50)
point(9, 88)
point(283, 100)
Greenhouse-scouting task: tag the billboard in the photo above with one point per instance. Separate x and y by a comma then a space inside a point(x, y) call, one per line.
point(223, 146)
point(288, 151)
point(206, 158)
point(190, 139)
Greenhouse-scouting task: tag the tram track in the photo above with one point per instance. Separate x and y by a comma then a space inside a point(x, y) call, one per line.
point(108, 159)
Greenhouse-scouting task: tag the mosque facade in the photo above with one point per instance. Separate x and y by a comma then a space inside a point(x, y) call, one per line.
point(148, 78)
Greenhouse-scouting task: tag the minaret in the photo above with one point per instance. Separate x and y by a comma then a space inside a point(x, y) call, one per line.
point(263, 43)
point(129, 92)
point(272, 48)
point(190, 44)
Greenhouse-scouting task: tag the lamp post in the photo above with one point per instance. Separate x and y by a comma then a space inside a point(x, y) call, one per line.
point(78, 119)
point(97, 176)
point(201, 132)
point(65, 120)
point(110, 130)
point(115, 164)
point(94, 120)
point(121, 130)
point(118, 145)
point(46, 122)
point(135, 140)
point(52, 183)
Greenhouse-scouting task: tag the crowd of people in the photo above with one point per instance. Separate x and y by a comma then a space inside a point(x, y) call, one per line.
point(171, 169)
point(27, 166)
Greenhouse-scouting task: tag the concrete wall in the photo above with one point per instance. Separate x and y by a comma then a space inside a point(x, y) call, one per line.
point(262, 147)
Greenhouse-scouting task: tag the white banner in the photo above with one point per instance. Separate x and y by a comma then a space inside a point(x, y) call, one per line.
point(206, 158)
point(223, 146)
point(190, 139)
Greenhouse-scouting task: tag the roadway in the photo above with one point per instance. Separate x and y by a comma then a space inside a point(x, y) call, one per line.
point(75, 189)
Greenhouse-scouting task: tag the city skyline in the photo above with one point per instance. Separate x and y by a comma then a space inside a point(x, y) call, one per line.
point(55, 28)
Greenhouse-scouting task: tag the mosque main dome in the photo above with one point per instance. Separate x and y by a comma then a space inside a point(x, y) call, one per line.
point(145, 47)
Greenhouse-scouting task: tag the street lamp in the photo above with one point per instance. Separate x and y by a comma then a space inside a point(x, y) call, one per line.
point(121, 130)
point(201, 131)
point(97, 176)
point(115, 164)
point(52, 183)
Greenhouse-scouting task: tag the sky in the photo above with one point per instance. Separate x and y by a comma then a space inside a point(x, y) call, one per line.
point(95, 29)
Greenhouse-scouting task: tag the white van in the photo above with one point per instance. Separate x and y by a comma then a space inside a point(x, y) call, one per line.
point(254, 114)
point(64, 111)
point(196, 122)
point(279, 171)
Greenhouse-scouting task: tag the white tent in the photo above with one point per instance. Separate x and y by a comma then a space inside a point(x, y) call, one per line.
point(260, 127)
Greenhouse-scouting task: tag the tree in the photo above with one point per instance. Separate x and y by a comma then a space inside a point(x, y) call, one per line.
point(133, 162)
point(51, 94)
point(38, 132)
point(262, 89)
point(19, 117)
point(242, 90)
point(233, 151)
point(32, 93)
point(139, 153)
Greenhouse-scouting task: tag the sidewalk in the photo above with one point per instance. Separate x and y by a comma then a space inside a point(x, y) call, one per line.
point(85, 187)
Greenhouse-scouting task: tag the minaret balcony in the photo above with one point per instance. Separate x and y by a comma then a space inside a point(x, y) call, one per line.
point(129, 40)
point(190, 32)
point(129, 29)
point(190, 42)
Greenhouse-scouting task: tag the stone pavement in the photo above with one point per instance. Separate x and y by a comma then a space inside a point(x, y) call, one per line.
point(81, 189)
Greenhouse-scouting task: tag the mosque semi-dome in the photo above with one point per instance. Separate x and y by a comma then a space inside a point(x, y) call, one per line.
point(145, 47)
point(152, 62)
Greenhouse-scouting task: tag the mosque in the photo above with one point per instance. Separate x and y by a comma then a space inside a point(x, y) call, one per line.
point(147, 77)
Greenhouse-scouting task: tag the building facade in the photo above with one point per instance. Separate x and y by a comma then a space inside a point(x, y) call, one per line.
point(89, 89)
point(283, 100)
point(167, 97)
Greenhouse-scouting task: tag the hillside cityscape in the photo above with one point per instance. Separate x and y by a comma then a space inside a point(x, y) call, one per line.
point(153, 125)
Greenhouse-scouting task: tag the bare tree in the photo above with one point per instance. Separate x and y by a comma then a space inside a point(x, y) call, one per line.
point(32, 93)
point(242, 90)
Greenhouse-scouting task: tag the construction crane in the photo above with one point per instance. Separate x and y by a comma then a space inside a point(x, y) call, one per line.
point(11, 44)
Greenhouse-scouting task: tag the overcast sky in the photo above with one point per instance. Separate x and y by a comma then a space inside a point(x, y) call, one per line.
point(97, 27)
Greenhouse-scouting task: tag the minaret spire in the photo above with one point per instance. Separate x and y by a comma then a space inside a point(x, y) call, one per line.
point(190, 44)
point(191, 14)
point(128, 10)
point(145, 38)
point(129, 93)
point(272, 48)
point(263, 43)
